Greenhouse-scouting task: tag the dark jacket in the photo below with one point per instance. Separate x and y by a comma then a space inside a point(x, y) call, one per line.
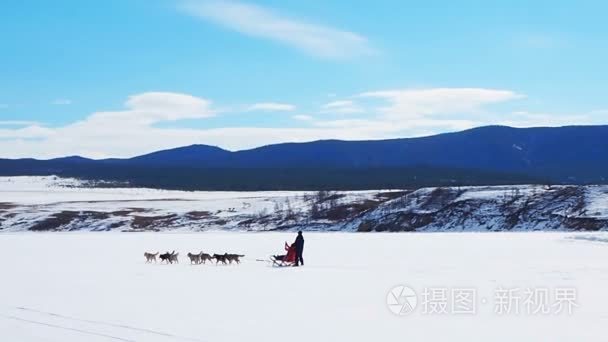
point(299, 243)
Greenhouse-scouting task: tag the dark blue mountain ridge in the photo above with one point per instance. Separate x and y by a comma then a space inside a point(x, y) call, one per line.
point(73, 159)
point(187, 155)
point(571, 154)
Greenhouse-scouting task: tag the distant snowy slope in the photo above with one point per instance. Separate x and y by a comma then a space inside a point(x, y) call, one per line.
point(59, 204)
point(53, 203)
point(498, 208)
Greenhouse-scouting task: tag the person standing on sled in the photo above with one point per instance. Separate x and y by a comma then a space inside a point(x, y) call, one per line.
point(299, 246)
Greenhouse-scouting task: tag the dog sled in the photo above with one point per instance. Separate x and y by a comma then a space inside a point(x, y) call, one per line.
point(285, 260)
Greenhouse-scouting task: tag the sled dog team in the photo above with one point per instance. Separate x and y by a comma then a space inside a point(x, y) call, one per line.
point(197, 259)
point(292, 258)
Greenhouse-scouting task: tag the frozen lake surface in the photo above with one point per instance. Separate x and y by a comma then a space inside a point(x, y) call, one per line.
point(97, 287)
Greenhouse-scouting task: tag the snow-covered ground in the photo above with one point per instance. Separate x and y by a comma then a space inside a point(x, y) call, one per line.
point(96, 287)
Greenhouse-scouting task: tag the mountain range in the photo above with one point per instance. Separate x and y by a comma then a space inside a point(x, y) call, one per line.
point(488, 155)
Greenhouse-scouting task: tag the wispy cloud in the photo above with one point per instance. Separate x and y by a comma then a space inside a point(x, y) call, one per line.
point(146, 109)
point(302, 117)
point(257, 21)
point(421, 103)
point(271, 107)
point(61, 102)
point(342, 107)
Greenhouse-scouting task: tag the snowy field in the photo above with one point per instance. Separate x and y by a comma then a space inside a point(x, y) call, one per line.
point(96, 287)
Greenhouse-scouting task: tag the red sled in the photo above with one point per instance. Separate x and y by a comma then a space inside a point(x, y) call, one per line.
point(288, 259)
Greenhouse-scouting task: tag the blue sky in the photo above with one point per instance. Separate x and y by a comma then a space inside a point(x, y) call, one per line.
point(117, 78)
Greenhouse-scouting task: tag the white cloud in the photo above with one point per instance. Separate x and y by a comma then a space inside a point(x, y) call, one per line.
point(302, 117)
point(62, 102)
point(28, 132)
point(420, 103)
point(152, 107)
point(113, 133)
point(342, 107)
point(161, 106)
point(416, 112)
point(258, 21)
point(272, 107)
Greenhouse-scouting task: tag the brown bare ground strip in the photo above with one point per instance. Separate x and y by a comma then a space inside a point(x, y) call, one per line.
point(584, 223)
point(145, 222)
point(198, 215)
point(129, 211)
point(343, 212)
point(57, 220)
point(5, 205)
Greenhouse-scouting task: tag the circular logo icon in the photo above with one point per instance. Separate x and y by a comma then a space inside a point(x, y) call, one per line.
point(401, 300)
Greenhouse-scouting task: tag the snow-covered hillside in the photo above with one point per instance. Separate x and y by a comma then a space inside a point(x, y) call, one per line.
point(497, 208)
point(52, 203)
point(58, 204)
